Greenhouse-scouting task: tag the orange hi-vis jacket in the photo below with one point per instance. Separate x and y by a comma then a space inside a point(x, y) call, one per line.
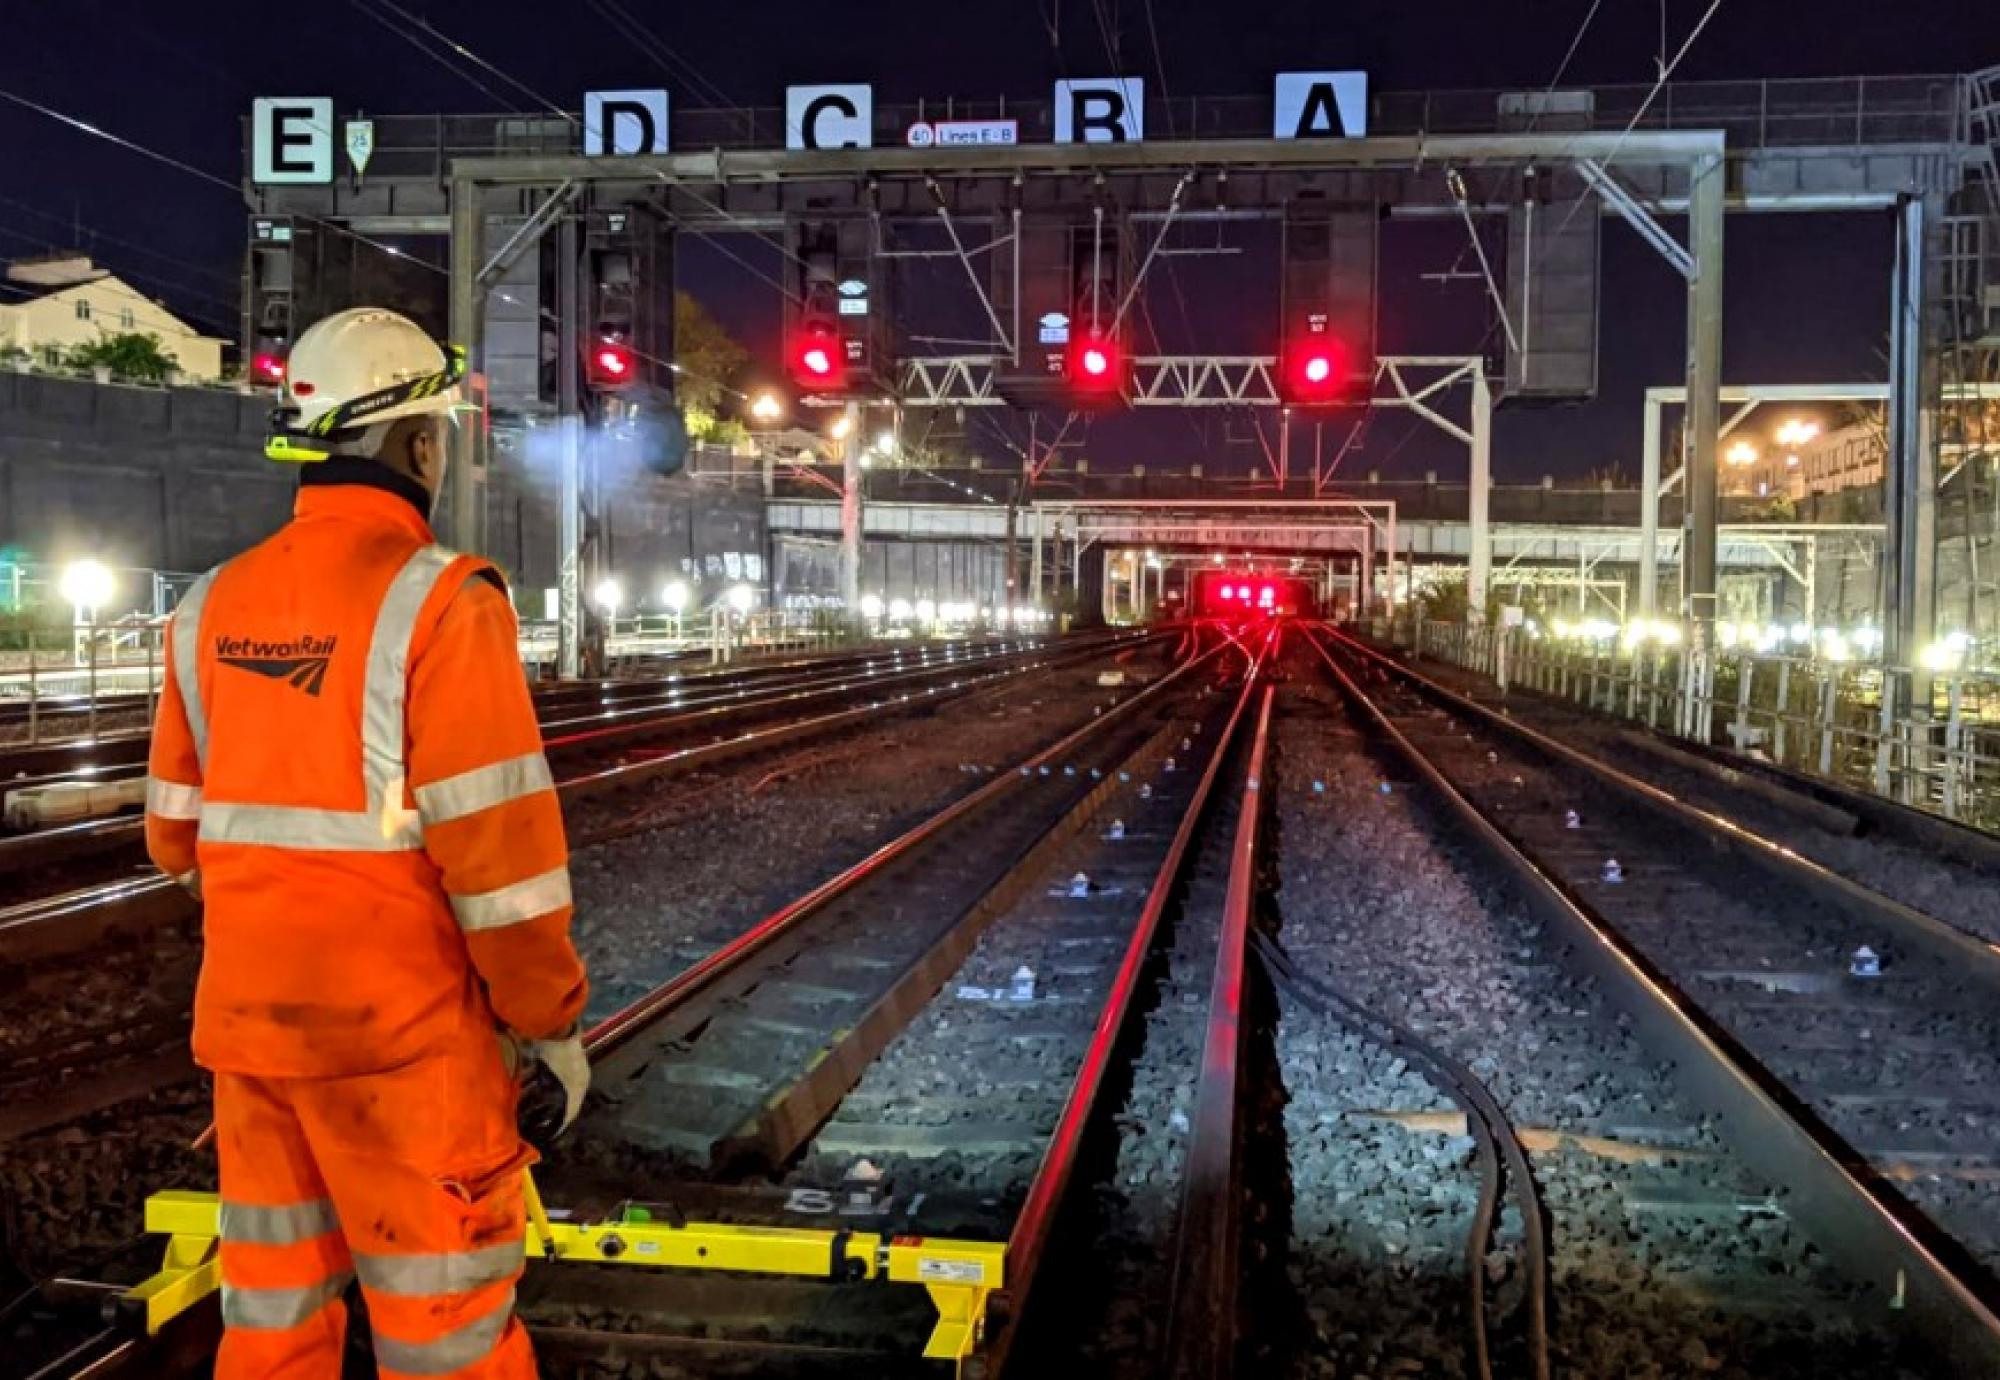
point(346, 766)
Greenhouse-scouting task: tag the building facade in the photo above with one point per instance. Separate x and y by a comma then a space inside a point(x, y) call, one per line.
point(80, 304)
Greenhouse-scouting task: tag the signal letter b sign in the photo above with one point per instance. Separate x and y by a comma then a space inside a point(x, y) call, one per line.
point(1102, 110)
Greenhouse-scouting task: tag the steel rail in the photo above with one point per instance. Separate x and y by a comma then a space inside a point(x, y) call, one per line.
point(654, 711)
point(119, 755)
point(64, 923)
point(1902, 1258)
point(1976, 957)
point(691, 983)
point(1034, 1224)
point(1202, 1314)
point(127, 1352)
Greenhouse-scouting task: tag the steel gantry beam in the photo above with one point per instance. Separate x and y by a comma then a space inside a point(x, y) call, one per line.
point(1207, 175)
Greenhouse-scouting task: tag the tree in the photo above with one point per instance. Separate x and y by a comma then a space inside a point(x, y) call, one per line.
point(128, 355)
point(710, 359)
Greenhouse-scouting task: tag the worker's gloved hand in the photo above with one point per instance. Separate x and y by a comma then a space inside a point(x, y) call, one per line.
point(555, 1074)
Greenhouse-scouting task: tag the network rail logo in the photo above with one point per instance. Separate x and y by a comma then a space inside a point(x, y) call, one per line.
point(300, 661)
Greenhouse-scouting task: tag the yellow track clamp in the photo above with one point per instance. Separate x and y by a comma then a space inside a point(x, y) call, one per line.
point(959, 1276)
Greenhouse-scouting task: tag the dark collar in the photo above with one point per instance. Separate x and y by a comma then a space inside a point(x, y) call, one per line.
point(371, 474)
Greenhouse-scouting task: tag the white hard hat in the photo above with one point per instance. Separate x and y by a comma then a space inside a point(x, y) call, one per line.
point(353, 357)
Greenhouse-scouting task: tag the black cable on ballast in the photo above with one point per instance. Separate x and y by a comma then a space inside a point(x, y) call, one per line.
point(1493, 1134)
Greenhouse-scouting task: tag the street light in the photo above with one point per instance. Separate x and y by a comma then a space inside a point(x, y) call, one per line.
point(1796, 431)
point(87, 585)
point(871, 606)
point(766, 408)
point(841, 426)
point(675, 596)
point(741, 597)
point(885, 443)
point(1742, 453)
point(608, 595)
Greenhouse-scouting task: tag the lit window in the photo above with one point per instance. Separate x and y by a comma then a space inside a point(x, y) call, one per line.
point(83, 309)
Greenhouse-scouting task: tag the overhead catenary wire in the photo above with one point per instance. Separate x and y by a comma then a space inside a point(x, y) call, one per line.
point(403, 32)
point(77, 226)
point(659, 50)
point(199, 295)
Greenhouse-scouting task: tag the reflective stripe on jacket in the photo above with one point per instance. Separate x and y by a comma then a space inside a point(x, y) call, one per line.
point(346, 758)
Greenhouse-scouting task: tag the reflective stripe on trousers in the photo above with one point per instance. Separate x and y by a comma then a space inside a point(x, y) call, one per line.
point(254, 1224)
point(273, 1310)
point(455, 1350)
point(443, 1272)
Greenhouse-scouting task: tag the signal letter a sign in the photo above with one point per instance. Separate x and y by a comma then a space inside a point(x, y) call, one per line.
point(1319, 105)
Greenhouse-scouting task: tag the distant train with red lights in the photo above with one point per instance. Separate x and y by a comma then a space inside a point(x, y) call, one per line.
point(1250, 594)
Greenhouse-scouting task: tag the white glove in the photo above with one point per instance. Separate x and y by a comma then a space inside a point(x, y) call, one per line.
point(564, 1057)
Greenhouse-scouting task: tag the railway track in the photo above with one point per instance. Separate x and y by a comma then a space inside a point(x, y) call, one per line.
point(1054, 1082)
point(743, 1065)
point(83, 1012)
point(1869, 1098)
point(42, 871)
point(587, 712)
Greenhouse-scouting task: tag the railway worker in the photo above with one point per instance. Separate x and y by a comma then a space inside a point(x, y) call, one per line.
point(348, 771)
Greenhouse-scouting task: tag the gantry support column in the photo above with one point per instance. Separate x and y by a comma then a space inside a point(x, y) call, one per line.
point(1910, 618)
point(1480, 570)
point(1704, 426)
point(467, 324)
point(850, 518)
point(1649, 513)
point(569, 418)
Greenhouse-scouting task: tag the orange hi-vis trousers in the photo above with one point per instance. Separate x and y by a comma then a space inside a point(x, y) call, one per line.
point(409, 1179)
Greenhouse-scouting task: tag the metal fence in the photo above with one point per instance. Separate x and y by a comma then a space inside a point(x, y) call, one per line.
point(68, 682)
point(59, 683)
point(1794, 112)
point(1846, 722)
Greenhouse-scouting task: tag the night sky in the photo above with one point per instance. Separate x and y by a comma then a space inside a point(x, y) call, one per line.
point(1807, 295)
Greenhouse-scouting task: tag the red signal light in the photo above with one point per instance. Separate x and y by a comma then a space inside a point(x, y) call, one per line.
point(1316, 373)
point(817, 357)
point(1095, 365)
point(268, 368)
point(611, 364)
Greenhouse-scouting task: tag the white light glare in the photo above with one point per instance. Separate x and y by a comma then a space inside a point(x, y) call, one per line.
point(675, 596)
point(871, 606)
point(926, 610)
point(86, 584)
point(608, 595)
point(741, 598)
point(899, 608)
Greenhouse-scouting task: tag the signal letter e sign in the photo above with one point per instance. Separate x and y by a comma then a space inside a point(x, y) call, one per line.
point(1101, 110)
point(291, 139)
